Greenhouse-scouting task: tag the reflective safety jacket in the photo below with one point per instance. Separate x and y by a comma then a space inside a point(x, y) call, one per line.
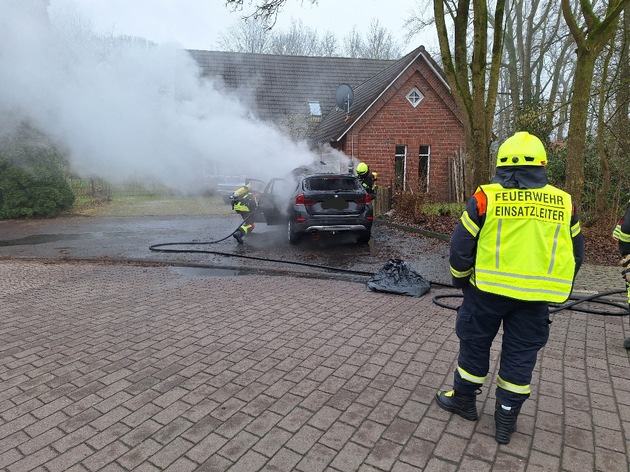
point(244, 203)
point(524, 243)
point(622, 232)
point(368, 181)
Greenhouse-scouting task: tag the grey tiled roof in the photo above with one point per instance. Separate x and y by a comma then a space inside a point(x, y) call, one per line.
point(278, 86)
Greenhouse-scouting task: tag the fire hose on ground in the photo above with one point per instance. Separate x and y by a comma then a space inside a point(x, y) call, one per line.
point(572, 304)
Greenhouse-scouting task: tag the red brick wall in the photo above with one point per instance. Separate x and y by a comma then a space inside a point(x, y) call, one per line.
point(394, 121)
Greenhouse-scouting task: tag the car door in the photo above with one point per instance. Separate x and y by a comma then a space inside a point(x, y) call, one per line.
point(273, 202)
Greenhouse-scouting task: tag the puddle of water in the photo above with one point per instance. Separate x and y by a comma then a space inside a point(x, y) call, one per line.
point(40, 239)
point(207, 271)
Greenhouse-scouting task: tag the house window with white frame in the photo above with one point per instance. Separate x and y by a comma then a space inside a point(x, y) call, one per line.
point(414, 97)
point(400, 168)
point(424, 159)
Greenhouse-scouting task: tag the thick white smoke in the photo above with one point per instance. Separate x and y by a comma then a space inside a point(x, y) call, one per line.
point(128, 109)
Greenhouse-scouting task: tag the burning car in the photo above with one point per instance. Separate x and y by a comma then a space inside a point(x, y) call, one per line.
point(318, 203)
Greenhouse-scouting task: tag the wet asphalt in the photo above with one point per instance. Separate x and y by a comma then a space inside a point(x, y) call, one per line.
point(206, 243)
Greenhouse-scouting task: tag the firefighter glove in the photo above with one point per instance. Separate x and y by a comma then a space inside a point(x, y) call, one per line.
point(460, 282)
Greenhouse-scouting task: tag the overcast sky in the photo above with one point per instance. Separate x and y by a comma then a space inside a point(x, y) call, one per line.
point(197, 24)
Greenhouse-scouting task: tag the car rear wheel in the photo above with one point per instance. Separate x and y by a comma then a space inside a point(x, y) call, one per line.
point(364, 237)
point(294, 236)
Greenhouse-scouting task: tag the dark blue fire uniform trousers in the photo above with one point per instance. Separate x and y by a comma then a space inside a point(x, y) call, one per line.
point(525, 332)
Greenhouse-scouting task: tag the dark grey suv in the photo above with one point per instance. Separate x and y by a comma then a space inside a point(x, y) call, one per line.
point(314, 203)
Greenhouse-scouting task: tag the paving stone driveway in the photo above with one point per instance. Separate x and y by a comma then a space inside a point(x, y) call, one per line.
point(121, 367)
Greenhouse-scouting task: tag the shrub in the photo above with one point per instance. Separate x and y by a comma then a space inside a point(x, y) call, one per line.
point(413, 207)
point(32, 181)
point(444, 209)
point(407, 205)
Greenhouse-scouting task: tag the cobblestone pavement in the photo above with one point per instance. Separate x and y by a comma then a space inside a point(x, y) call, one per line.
point(119, 367)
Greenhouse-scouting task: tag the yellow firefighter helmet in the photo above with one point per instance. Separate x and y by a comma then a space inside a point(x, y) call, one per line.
point(522, 149)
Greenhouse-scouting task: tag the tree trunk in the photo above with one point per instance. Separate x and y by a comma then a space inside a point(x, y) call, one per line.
point(600, 199)
point(473, 84)
point(479, 152)
point(590, 40)
point(622, 122)
point(576, 142)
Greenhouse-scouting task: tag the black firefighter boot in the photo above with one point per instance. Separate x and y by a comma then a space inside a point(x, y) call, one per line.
point(463, 405)
point(238, 235)
point(505, 422)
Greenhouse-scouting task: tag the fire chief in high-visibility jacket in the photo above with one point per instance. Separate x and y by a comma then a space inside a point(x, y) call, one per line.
point(517, 248)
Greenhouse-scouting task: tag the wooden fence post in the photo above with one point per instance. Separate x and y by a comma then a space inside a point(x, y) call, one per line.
point(383, 201)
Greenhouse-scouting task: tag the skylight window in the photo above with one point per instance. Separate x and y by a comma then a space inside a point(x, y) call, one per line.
point(316, 110)
point(415, 97)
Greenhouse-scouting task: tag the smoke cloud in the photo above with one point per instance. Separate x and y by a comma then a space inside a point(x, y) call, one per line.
point(128, 109)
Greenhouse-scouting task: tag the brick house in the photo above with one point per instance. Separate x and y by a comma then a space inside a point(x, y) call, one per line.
point(403, 121)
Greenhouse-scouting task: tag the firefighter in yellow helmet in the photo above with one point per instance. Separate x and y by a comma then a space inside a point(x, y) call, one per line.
point(245, 202)
point(622, 234)
point(367, 178)
point(516, 248)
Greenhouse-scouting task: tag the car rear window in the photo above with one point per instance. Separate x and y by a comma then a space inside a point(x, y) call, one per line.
point(331, 183)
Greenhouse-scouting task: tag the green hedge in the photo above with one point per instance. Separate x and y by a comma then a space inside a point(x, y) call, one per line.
point(32, 182)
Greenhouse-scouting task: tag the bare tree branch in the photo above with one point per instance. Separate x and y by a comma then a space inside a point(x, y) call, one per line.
point(248, 35)
point(263, 9)
point(299, 40)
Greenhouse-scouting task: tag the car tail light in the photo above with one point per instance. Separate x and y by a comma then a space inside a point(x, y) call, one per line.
point(302, 200)
point(365, 200)
point(300, 220)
